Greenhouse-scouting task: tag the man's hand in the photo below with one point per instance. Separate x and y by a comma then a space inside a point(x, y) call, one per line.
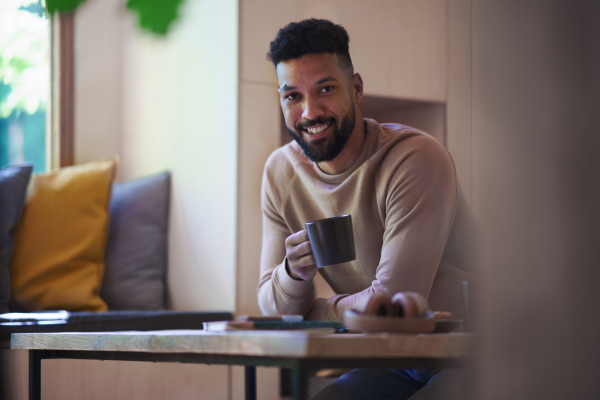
point(443, 315)
point(300, 260)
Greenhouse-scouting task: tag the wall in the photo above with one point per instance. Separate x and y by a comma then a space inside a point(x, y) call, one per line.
point(169, 103)
point(536, 168)
point(427, 116)
point(458, 105)
point(98, 47)
point(180, 113)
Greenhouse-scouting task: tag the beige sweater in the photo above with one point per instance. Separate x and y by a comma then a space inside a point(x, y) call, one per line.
point(411, 224)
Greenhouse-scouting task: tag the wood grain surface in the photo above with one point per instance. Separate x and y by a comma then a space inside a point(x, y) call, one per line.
point(256, 343)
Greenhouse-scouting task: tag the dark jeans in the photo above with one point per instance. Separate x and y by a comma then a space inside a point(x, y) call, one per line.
point(378, 384)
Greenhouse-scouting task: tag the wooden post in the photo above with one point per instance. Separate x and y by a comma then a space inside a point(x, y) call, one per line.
point(63, 90)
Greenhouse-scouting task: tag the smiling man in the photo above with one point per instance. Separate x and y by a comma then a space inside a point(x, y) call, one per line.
point(398, 183)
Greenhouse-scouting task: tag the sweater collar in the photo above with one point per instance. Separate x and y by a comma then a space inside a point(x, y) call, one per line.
point(371, 128)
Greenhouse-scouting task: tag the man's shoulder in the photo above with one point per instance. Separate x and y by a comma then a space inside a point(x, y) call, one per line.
point(281, 165)
point(400, 146)
point(397, 141)
point(395, 133)
point(283, 159)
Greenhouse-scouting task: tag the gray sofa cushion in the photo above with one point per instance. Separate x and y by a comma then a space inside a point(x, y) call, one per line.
point(13, 187)
point(136, 251)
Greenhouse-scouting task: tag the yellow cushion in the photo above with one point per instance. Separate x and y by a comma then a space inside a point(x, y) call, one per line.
point(58, 260)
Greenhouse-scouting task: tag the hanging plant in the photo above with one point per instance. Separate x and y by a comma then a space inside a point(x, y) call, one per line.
point(155, 16)
point(53, 6)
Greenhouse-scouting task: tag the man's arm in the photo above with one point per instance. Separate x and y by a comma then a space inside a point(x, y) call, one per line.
point(420, 202)
point(278, 291)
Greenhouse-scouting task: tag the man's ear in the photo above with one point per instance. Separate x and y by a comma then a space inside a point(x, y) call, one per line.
point(357, 86)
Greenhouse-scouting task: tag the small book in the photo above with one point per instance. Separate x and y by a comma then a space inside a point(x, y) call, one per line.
point(256, 317)
point(215, 326)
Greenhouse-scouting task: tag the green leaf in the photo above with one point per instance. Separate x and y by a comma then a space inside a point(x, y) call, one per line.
point(155, 15)
point(62, 5)
point(19, 64)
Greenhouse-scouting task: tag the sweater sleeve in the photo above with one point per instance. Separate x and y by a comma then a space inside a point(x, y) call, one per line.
point(418, 199)
point(278, 292)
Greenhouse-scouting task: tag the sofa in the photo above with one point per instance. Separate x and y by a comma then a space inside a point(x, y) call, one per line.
point(80, 253)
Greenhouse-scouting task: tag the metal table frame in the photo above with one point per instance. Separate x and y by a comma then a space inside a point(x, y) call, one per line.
point(300, 367)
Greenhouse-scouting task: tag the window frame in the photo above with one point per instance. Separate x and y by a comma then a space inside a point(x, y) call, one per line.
point(61, 124)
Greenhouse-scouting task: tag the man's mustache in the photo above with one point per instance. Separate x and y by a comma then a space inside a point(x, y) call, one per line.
point(317, 121)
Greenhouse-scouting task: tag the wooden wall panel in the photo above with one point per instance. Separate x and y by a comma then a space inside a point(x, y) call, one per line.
point(98, 80)
point(14, 378)
point(267, 383)
point(398, 46)
point(459, 140)
point(118, 380)
point(429, 117)
point(536, 168)
point(63, 90)
point(259, 122)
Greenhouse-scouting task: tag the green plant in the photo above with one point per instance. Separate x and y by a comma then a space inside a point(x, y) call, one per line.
point(154, 15)
point(24, 66)
point(53, 6)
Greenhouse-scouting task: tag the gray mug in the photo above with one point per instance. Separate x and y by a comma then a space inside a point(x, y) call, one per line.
point(332, 240)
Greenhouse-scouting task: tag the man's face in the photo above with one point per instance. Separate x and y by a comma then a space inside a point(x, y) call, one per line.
point(318, 104)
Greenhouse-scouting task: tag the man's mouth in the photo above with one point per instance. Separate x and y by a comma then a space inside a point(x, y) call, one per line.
point(314, 131)
point(317, 128)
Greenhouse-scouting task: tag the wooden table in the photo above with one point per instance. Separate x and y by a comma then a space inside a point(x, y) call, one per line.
point(300, 351)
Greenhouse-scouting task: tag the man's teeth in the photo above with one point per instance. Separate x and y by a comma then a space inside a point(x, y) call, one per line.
point(317, 130)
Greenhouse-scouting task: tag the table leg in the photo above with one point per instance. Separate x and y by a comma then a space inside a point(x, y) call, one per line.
point(250, 382)
point(35, 375)
point(299, 381)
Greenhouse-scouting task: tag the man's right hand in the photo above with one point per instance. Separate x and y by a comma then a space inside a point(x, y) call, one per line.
point(300, 260)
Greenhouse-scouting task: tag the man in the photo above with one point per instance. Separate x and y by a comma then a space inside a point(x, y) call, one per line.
point(398, 183)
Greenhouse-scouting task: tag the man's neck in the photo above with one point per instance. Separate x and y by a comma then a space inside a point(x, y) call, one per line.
point(351, 151)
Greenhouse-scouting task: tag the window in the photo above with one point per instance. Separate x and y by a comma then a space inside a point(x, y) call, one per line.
point(24, 83)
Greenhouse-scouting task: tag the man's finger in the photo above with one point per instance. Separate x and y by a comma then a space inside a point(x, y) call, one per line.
point(443, 315)
point(296, 238)
point(303, 262)
point(300, 251)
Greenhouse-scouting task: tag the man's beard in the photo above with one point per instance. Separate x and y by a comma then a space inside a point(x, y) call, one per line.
point(329, 147)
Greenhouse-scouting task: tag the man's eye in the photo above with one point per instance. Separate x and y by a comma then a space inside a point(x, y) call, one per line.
point(291, 96)
point(326, 89)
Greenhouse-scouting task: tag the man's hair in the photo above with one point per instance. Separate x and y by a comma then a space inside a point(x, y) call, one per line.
point(311, 36)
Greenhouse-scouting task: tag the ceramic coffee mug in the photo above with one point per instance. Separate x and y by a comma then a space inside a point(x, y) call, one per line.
point(332, 240)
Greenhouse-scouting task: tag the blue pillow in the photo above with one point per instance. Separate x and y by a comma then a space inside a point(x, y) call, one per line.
point(136, 250)
point(13, 187)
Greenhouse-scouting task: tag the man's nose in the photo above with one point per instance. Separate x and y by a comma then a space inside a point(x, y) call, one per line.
point(312, 108)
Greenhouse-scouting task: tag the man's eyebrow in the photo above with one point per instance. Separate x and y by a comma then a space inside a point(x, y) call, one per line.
point(326, 79)
point(285, 88)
